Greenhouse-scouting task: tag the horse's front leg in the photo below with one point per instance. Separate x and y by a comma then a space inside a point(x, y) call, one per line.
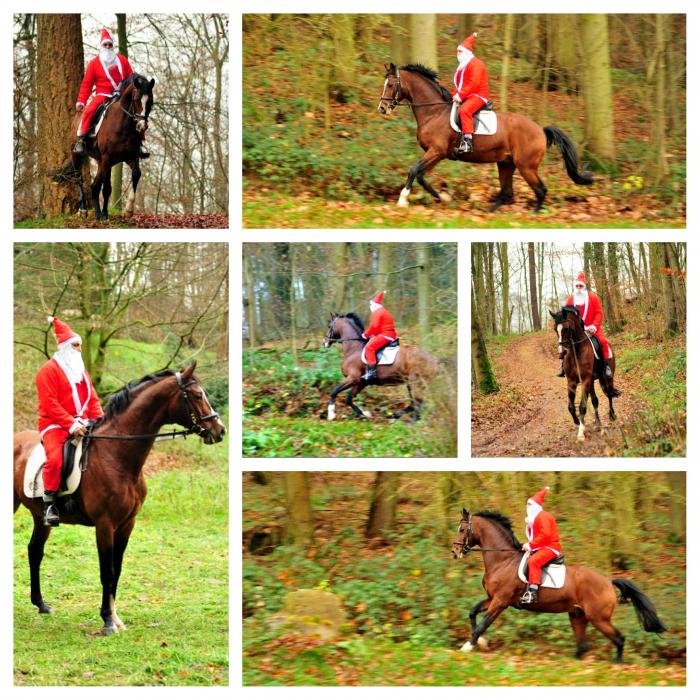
point(104, 533)
point(478, 608)
point(582, 407)
point(35, 552)
point(106, 191)
point(334, 395)
point(135, 177)
point(494, 609)
point(571, 392)
point(431, 158)
point(95, 189)
point(359, 412)
point(121, 540)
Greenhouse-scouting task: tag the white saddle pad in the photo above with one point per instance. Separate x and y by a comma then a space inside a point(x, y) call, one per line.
point(553, 576)
point(386, 356)
point(486, 121)
point(33, 473)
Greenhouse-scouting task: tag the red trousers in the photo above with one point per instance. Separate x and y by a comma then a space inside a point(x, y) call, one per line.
point(535, 563)
point(466, 112)
point(89, 110)
point(375, 343)
point(604, 344)
point(53, 441)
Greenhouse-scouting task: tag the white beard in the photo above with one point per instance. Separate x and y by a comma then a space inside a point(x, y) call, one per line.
point(463, 57)
point(108, 56)
point(532, 510)
point(373, 306)
point(580, 297)
point(71, 362)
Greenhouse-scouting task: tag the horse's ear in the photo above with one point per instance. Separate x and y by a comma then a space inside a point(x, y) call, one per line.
point(386, 68)
point(552, 314)
point(152, 83)
point(465, 513)
point(392, 67)
point(189, 370)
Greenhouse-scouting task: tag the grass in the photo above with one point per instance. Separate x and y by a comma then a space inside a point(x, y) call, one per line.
point(284, 436)
point(173, 594)
point(116, 220)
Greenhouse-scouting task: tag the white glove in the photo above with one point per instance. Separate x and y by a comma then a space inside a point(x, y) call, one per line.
point(79, 106)
point(456, 98)
point(526, 547)
point(591, 329)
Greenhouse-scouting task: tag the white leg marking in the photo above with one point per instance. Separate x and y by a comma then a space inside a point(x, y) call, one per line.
point(117, 621)
point(331, 411)
point(581, 432)
point(445, 197)
point(482, 643)
point(467, 647)
point(366, 414)
point(129, 209)
point(403, 197)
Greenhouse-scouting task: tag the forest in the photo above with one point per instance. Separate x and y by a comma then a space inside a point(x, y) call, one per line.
point(184, 183)
point(366, 556)
point(289, 292)
point(514, 353)
point(139, 308)
point(316, 153)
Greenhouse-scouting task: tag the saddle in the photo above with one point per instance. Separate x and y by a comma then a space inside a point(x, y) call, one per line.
point(99, 115)
point(553, 572)
point(485, 119)
point(71, 469)
point(387, 355)
point(597, 347)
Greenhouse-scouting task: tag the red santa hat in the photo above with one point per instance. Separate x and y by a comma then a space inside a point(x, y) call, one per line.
point(378, 297)
point(63, 332)
point(581, 279)
point(106, 36)
point(468, 43)
point(538, 498)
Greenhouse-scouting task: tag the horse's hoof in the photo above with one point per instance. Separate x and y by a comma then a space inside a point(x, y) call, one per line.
point(482, 643)
point(445, 197)
point(580, 438)
point(403, 203)
point(109, 630)
point(45, 609)
point(366, 414)
point(467, 647)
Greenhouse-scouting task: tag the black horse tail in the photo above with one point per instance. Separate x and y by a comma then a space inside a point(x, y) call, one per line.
point(646, 612)
point(66, 173)
point(559, 139)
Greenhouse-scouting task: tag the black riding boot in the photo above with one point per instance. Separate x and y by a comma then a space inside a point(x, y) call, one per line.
point(144, 153)
point(79, 147)
point(50, 512)
point(560, 373)
point(466, 145)
point(530, 595)
point(371, 374)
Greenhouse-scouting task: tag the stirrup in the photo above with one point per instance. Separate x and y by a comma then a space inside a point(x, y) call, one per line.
point(51, 516)
point(79, 146)
point(608, 371)
point(143, 153)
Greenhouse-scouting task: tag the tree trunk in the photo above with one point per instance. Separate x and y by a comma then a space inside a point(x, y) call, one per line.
point(505, 65)
point(534, 304)
point(400, 39)
point(657, 167)
point(424, 39)
point(299, 525)
point(484, 377)
point(117, 170)
point(502, 251)
point(345, 57)
point(670, 305)
point(597, 89)
point(601, 282)
point(250, 305)
point(423, 284)
point(293, 303)
point(676, 480)
point(382, 511)
point(59, 74)
point(614, 313)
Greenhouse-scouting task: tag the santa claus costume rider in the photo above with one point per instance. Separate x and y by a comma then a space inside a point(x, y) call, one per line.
point(472, 90)
point(543, 543)
point(590, 309)
point(105, 73)
point(67, 402)
point(381, 331)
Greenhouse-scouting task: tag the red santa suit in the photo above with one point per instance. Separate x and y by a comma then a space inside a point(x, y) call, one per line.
point(591, 311)
point(63, 405)
point(105, 79)
point(542, 536)
point(381, 330)
point(472, 86)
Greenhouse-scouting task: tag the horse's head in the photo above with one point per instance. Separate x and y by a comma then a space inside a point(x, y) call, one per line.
point(138, 97)
point(190, 408)
point(568, 324)
point(464, 540)
point(333, 335)
point(393, 91)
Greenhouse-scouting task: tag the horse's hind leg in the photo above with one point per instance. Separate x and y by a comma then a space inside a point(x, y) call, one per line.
point(35, 552)
point(106, 191)
point(579, 622)
point(135, 177)
point(594, 401)
point(95, 191)
point(506, 168)
point(105, 549)
point(121, 539)
point(533, 179)
point(613, 634)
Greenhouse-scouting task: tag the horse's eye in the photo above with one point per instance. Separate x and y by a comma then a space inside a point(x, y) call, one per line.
point(198, 396)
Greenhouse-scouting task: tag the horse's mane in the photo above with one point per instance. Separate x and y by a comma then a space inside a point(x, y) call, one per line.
point(431, 75)
point(140, 80)
point(503, 522)
point(120, 400)
point(573, 310)
point(355, 319)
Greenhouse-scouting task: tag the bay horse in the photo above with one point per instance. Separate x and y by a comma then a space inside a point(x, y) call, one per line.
point(581, 367)
point(587, 596)
point(112, 488)
point(117, 141)
point(413, 367)
point(519, 143)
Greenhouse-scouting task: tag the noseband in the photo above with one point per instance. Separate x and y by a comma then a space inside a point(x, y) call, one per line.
point(464, 544)
point(196, 418)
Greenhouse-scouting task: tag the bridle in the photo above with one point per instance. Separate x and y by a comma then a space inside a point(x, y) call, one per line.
point(394, 100)
point(132, 115)
point(330, 339)
point(467, 547)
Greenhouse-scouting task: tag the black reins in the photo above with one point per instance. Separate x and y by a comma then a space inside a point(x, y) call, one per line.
point(394, 99)
point(466, 547)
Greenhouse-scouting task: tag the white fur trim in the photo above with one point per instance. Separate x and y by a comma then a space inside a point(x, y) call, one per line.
point(50, 319)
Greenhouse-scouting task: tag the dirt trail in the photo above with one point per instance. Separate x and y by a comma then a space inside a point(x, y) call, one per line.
point(538, 423)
